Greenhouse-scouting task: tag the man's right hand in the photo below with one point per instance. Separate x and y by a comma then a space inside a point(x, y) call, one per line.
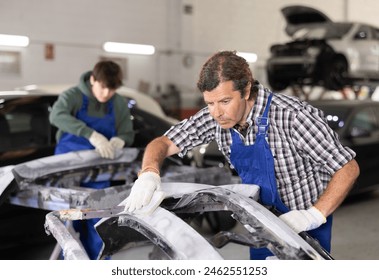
point(303, 220)
point(142, 191)
point(102, 145)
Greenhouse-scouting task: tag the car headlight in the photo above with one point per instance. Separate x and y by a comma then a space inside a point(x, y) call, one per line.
point(203, 150)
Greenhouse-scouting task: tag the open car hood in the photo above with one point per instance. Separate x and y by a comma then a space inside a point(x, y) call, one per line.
point(298, 17)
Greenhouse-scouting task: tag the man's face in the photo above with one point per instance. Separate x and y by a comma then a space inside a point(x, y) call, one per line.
point(101, 92)
point(226, 105)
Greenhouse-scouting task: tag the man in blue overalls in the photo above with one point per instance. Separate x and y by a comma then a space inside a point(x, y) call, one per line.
point(278, 142)
point(93, 116)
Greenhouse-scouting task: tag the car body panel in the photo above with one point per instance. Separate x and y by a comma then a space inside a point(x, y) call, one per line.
point(53, 183)
point(176, 239)
point(362, 55)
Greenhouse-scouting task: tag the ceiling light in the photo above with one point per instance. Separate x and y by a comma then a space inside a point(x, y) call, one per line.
point(115, 47)
point(250, 57)
point(13, 40)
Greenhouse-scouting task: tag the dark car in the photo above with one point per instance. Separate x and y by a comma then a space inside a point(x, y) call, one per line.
point(357, 124)
point(323, 52)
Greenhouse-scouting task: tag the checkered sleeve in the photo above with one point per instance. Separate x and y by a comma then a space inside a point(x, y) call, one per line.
point(189, 133)
point(314, 138)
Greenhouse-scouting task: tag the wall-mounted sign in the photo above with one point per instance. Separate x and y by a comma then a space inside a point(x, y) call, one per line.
point(49, 51)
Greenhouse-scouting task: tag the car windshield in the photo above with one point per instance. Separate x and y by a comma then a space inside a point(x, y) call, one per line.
point(326, 31)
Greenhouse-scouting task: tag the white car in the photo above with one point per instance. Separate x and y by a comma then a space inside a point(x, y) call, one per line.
point(142, 100)
point(323, 52)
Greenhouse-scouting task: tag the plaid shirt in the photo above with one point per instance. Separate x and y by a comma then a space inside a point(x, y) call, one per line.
point(307, 152)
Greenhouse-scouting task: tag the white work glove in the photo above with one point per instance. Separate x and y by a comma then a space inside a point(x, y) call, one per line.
point(102, 145)
point(303, 220)
point(117, 142)
point(142, 191)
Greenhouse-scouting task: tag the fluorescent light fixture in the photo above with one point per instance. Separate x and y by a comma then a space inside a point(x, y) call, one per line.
point(250, 57)
point(27, 87)
point(13, 40)
point(13, 92)
point(115, 47)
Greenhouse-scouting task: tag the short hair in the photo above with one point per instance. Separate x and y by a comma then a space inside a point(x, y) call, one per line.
point(222, 67)
point(109, 73)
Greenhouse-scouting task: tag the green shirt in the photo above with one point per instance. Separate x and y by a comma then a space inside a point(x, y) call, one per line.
point(63, 114)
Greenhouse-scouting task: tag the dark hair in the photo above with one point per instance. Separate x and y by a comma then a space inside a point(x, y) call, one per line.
point(222, 67)
point(109, 73)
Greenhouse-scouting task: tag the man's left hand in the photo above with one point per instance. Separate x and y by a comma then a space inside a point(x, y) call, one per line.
point(117, 142)
point(303, 220)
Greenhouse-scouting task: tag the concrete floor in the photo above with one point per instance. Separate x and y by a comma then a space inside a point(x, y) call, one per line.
point(355, 235)
point(356, 229)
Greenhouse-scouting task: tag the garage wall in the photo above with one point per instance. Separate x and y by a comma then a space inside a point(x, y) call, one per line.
point(77, 29)
point(184, 32)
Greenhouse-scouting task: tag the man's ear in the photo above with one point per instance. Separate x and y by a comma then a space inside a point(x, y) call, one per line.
point(247, 91)
point(91, 80)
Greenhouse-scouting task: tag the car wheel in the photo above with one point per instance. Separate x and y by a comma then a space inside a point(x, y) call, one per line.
point(335, 74)
point(276, 84)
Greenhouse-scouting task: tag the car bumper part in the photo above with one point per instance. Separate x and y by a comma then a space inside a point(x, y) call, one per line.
point(178, 240)
point(52, 183)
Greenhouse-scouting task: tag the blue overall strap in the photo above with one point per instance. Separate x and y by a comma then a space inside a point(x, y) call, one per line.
point(263, 121)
